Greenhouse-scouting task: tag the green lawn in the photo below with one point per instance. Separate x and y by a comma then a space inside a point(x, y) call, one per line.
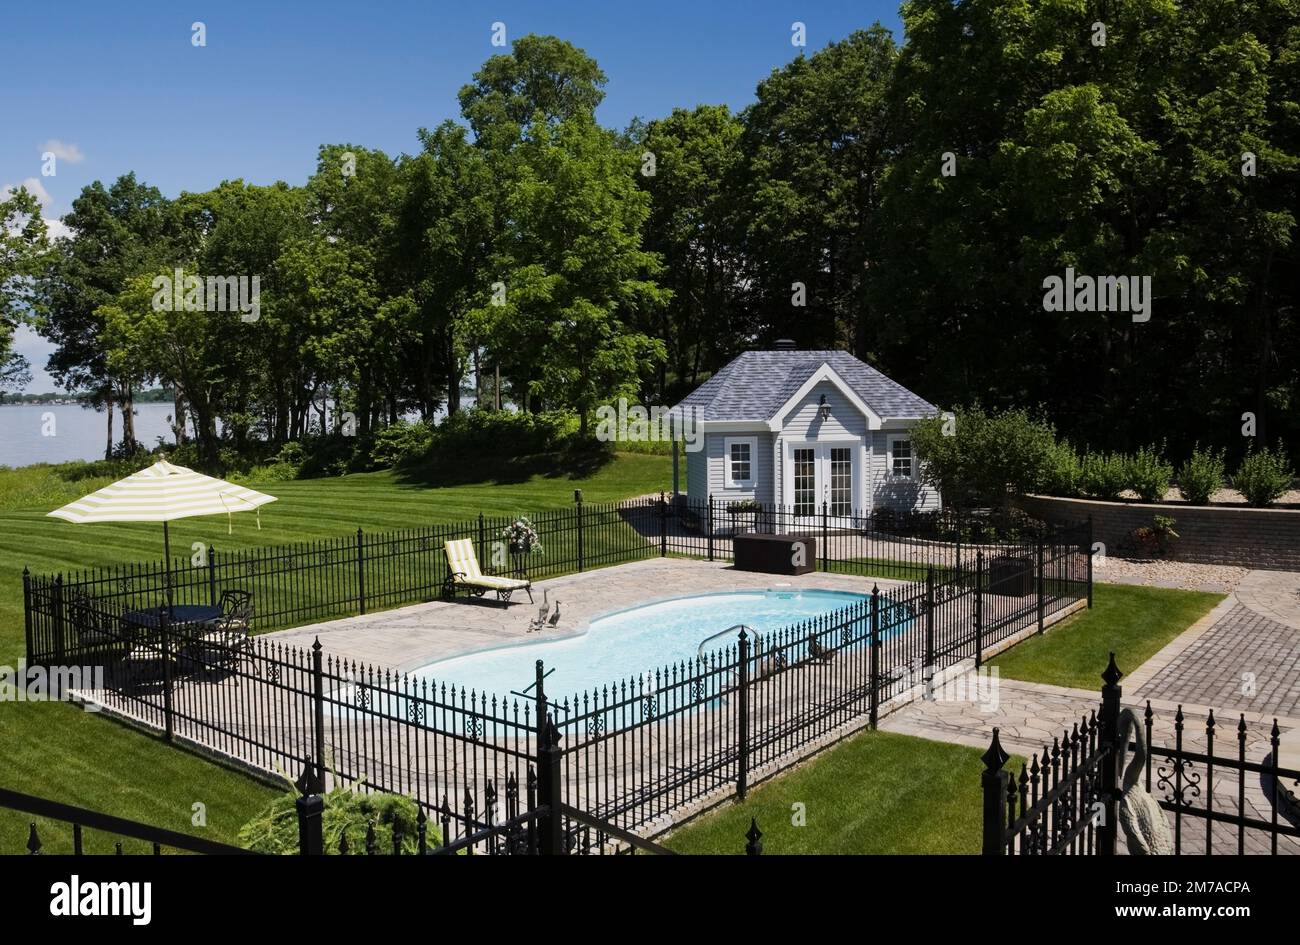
point(1132, 621)
point(57, 751)
point(879, 792)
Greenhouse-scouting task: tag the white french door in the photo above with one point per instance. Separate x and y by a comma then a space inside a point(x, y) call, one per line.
point(819, 473)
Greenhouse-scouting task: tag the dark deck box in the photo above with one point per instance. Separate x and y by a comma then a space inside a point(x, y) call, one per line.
point(775, 554)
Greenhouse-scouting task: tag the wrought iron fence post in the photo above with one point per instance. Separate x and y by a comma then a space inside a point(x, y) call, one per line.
point(577, 501)
point(979, 608)
point(1041, 578)
point(310, 807)
point(873, 680)
point(742, 715)
point(993, 782)
point(27, 611)
point(929, 632)
point(549, 755)
point(753, 839)
point(663, 526)
point(825, 539)
point(212, 576)
point(164, 619)
point(482, 537)
point(361, 572)
point(60, 629)
point(1108, 726)
point(710, 516)
point(1088, 551)
point(318, 701)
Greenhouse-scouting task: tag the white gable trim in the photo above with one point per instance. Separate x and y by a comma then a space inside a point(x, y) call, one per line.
point(825, 373)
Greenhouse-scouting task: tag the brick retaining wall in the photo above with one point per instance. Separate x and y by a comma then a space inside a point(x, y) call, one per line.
point(1236, 535)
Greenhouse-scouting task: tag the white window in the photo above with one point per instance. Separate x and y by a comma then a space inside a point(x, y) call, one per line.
point(739, 456)
point(900, 458)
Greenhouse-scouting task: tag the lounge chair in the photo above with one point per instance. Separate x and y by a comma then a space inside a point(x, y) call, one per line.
point(463, 571)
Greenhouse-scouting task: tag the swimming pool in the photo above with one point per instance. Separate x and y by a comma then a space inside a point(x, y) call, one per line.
point(626, 644)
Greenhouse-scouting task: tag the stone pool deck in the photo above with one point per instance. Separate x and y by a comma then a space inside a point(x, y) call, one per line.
point(410, 637)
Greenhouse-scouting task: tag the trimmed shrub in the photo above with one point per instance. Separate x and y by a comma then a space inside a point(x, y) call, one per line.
point(1104, 475)
point(400, 443)
point(1065, 474)
point(1201, 476)
point(1263, 476)
point(275, 829)
point(1149, 474)
point(980, 457)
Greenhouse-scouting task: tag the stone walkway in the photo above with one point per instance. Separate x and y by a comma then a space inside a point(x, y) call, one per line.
point(1244, 662)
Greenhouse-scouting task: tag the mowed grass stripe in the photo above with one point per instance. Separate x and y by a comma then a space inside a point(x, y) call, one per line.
point(60, 752)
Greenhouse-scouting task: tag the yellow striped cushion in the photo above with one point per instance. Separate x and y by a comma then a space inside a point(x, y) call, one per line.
point(493, 582)
point(461, 557)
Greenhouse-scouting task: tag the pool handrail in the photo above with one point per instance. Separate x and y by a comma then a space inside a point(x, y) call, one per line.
point(732, 630)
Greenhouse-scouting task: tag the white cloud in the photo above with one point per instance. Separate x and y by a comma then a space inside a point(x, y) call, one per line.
point(54, 227)
point(34, 187)
point(64, 151)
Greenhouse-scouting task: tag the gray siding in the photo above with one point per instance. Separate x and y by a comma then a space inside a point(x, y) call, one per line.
point(889, 492)
point(803, 422)
point(705, 473)
point(697, 474)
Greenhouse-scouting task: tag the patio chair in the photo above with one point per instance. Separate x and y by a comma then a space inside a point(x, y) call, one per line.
point(223, 647)
point(93, 627)
point(463, 571)
point(236, 609)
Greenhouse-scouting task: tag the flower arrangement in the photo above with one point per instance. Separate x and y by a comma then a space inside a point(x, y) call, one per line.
point(521, 536)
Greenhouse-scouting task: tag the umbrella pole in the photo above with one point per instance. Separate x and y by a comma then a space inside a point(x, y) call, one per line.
point(167, 551)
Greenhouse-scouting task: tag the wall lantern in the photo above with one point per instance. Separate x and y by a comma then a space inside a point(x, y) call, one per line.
point(825, 408)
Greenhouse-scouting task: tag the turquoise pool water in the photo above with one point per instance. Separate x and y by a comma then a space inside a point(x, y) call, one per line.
point(629, 643)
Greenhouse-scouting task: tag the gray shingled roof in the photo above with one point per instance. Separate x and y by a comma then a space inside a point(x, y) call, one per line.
point(754, 386)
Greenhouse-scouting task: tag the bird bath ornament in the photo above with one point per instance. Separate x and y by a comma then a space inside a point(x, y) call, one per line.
point(1145, 829)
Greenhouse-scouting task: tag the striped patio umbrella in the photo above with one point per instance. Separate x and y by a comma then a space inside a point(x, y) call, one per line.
point(162, 493)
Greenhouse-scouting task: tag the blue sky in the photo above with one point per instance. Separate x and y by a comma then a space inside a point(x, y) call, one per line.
point(120, 87)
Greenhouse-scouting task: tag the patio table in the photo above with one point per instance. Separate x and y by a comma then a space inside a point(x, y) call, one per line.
point(181, 617)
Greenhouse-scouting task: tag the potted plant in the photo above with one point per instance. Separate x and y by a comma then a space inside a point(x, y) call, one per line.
point(744, 515)
point(521, 540)
point(1157, 539)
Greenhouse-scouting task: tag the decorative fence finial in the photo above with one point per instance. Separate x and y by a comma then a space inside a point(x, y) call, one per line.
point(994, 756)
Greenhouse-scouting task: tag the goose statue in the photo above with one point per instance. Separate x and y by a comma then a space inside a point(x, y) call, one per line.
point(1145, 829)
point(542, 612)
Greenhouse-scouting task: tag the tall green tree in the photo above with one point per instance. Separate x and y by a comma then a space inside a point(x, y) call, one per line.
point(23, 239)
point(118, 233)
point(1026, 143)
point(691, 166)
point(816, 148)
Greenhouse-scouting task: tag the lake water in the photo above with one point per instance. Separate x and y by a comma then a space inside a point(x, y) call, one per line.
point(77, 432)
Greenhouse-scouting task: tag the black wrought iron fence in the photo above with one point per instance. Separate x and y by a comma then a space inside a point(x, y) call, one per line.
point(640, 749)
point(1066, 798)
point(634, 752)
point(309, 581)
